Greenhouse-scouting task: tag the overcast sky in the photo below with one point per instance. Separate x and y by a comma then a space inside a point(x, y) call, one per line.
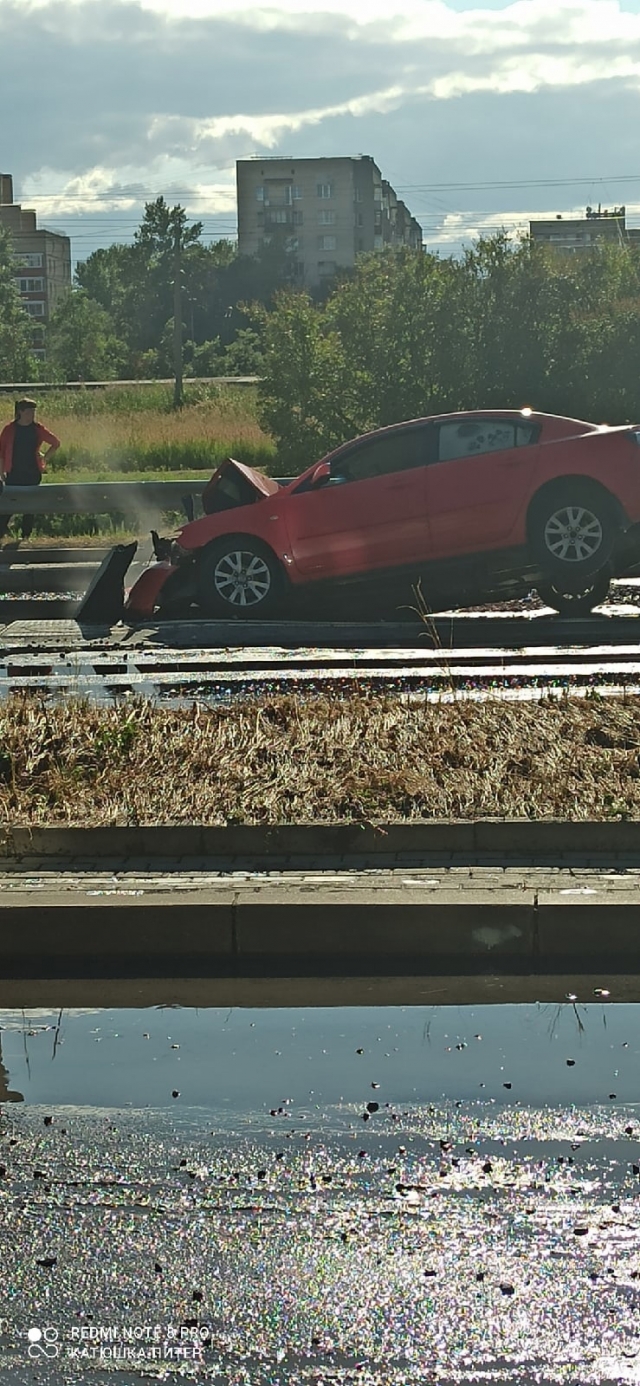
point(479, 114)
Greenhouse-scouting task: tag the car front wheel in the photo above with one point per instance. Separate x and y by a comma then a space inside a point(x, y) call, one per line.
point(573, 532)
point(239, 577)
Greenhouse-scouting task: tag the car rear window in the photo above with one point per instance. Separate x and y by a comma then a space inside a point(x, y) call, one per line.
point(474, 437)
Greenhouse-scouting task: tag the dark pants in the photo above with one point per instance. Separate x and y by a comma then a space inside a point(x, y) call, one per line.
point(26, 527)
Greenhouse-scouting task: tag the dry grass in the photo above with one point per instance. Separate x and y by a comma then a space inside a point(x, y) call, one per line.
point(136, 434)
point(210, 422)
point(281, 759)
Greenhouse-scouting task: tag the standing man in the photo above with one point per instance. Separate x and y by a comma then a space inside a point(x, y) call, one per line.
point(22, 461)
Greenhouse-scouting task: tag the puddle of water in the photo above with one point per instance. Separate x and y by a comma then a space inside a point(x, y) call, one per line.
point(374, 1196)
point(251, 1060)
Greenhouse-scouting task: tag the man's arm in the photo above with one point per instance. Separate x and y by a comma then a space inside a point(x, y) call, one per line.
point(44, 436)
point(5, 448)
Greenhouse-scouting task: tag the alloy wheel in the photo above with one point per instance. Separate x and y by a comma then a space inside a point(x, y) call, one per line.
point(573, 534)
point(242, 578)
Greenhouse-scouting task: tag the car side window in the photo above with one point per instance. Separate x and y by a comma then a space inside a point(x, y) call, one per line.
point(474, 437)
point(391, 452)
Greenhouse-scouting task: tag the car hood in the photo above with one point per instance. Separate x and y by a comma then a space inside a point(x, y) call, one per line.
point(262, 485)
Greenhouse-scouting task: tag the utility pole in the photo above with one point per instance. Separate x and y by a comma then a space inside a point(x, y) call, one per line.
point(177, 309)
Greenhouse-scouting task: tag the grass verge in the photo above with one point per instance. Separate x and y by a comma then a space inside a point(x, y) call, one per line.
point(282, 759)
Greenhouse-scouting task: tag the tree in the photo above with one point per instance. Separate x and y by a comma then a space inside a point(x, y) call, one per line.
point(16, 361)
point(82, 344)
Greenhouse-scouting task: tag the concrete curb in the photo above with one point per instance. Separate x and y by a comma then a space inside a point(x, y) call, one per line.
point(320, 932)
point(521, 839)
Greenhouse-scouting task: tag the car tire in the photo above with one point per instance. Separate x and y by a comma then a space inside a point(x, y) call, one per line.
point(240, 577)
point(579, 602)
point(572, 533)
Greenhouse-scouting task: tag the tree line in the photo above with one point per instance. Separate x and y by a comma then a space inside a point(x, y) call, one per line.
point(118, 321)
point(507, 324)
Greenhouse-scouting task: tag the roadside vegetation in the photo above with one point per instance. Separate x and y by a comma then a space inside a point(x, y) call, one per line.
point(282, 759)
point(134, 434)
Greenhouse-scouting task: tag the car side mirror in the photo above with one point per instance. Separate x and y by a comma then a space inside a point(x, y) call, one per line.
point(321, 475)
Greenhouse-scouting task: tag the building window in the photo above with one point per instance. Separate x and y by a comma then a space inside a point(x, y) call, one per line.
point(292, 193)
point(297, 218)
point(326, 217)
point(35, 310)
point(293, 244)
point(325, 190)
point(30, 261)
point(326, 267)
point(328, 242)
point(30, 286)
point(260, 194)
point(279, 218)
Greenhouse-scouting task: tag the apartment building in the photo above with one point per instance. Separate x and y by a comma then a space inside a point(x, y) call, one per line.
point(324, 212)
point(42, 263)
point(573, 234)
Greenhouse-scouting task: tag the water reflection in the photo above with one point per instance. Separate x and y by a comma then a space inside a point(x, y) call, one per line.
point(6, 1093)
point(248, 1060)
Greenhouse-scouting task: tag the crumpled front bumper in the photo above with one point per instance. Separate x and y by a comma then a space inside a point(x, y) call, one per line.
point(144, 596)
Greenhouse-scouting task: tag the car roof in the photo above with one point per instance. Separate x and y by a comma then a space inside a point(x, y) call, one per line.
point(555, 425)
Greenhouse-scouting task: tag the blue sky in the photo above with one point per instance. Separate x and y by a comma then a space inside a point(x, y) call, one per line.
point(480, 114)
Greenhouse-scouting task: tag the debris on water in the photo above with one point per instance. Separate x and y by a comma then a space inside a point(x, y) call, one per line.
point(175, 1093)
point(48, 1121)
point(373, 1106)
point(47, 1262)
point(507, 1289)
point(571, 1063)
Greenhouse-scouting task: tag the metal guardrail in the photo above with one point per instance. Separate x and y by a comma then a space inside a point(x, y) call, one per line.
point(31, 386)
point(136, 499)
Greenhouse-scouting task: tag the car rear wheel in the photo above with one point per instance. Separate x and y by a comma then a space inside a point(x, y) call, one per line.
point(239, 577)
point(579, 602)
point(572, 532)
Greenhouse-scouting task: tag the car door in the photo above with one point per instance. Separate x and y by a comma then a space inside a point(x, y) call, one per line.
point(370, 513)
point(481, 474)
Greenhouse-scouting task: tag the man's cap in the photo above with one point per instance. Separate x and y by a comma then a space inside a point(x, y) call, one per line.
point(25, 404)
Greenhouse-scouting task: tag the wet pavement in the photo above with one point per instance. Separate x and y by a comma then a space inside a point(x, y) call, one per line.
point(378, 1195)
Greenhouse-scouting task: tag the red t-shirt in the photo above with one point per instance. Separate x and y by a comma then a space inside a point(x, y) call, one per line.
point(6, 445)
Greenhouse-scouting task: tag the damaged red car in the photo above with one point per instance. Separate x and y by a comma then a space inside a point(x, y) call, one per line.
point(475, 507)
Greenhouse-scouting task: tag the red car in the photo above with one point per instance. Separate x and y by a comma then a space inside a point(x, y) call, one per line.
point(476, 506)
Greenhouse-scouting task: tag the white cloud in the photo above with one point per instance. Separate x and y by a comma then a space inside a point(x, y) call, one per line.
point(171, 92)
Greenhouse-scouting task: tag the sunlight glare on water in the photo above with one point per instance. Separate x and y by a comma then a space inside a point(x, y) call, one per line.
point(388, 1196)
